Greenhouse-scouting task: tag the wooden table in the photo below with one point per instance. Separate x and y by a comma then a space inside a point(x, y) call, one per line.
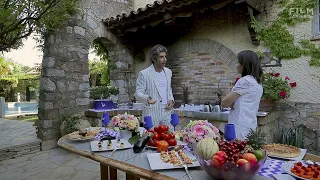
point(135, 165)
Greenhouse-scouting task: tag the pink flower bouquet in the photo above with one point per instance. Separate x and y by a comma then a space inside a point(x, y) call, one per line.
point(125, 122)
point(198, 130)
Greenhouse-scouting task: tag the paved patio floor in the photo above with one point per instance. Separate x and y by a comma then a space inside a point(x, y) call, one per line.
point(15, 133)
point(51, 165)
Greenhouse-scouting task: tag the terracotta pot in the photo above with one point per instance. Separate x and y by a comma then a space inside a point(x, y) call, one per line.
point(266, 105)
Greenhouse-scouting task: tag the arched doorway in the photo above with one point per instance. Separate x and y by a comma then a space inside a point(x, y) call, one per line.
point(64, 84)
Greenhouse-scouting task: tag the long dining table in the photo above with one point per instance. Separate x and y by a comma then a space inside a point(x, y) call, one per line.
point(135, 165)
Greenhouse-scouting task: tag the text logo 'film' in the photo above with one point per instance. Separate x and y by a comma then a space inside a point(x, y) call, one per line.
point(301, 12)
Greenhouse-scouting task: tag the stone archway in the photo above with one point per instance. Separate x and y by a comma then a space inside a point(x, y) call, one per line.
point(200, 67)
point(64, 84)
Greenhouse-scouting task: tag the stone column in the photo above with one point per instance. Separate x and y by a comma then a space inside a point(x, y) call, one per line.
point(64, 84)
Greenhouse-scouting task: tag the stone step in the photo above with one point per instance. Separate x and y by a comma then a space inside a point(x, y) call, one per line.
point(28, 147)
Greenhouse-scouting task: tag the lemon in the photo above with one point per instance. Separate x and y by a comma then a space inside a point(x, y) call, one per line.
point(259, 154)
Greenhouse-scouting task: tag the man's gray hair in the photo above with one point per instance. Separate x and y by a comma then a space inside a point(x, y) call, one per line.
point(155, 51)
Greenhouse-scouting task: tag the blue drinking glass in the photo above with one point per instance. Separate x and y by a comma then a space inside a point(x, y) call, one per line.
point(229, 132)
point(147, 123)
point(174, 121)
point(105, 120)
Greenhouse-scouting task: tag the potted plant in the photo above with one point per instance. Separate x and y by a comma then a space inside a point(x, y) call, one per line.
point(275, 88)
point(99, 93)
point(126, 124)
point(73, 123)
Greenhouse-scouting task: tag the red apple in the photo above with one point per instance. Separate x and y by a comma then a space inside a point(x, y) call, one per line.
point(217, 161)
point(221, 154)
point(241, 162)
point(250, 157)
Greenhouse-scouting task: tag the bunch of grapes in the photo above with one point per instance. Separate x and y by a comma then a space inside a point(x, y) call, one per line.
point(232, 149)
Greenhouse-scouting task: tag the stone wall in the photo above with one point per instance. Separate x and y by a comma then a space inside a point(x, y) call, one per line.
point(307, 114)
point(203, 66)
point(64, 84)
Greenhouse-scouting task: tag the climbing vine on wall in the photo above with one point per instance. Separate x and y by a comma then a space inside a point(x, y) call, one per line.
point(277, 37)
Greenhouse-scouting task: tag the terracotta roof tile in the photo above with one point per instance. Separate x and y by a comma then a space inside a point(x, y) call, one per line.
point(148, 11)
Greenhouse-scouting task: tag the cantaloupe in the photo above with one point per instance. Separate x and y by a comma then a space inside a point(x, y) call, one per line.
point(206, 148)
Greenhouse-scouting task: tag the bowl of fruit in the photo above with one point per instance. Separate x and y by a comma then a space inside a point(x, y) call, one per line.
point(160, 136)
point(229, 160)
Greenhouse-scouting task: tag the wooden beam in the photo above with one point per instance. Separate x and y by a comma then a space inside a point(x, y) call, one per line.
point(249, 18)
point(104, 172)
point(257, 5)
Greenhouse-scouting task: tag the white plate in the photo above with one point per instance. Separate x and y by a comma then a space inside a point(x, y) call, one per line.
point(283, 177)
point(299, 158)
point(74, 136)
point(157, 164)
point(286, 167)
point(178, 143)
point(115, 144)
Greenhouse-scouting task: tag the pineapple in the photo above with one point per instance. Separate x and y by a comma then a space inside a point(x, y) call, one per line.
point(256, 140)
point(248, 149)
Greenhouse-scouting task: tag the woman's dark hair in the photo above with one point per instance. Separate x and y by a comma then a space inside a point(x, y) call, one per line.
point(155, 51)
point(251, 64)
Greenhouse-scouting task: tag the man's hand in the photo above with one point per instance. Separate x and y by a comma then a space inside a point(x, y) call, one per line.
point(169, 105)
point(151, 101)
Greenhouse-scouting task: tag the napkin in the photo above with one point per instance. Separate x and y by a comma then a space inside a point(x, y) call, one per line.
point(273, 168)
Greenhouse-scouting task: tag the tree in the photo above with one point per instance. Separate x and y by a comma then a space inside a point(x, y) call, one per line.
point(4, 66)
point(19, 19)
point(96, 68)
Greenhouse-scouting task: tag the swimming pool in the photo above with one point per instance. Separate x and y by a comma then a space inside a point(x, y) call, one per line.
point(19, 108)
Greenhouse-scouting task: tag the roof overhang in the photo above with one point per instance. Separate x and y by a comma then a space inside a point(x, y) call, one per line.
point(167, 11)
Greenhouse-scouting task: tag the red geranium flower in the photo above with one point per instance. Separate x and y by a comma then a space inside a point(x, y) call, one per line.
point(277, 74)
point(283, 94)
point(293, 84)
point(287, 78)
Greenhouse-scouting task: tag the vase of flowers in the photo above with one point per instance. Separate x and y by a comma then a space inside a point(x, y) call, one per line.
point(198, 130)
point(275, 88)
point(125, 124)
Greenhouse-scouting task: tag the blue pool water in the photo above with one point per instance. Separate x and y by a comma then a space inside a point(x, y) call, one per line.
point(18, 108)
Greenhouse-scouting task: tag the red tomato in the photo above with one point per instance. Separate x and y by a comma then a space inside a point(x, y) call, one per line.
point(156, 143)
point(156, 129)
point(172, 136)
point(150, 142)
point(156, 136)
point(163, 128)
point(165, 136)
point(151, 130)
point(172, 142)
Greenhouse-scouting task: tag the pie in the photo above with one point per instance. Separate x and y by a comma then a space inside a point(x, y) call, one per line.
point(282, 150)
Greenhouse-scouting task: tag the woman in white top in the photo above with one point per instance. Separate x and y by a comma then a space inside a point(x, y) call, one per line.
point(245, 96)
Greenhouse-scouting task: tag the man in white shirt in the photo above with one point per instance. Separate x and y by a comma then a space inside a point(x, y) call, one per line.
point(153, 88)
